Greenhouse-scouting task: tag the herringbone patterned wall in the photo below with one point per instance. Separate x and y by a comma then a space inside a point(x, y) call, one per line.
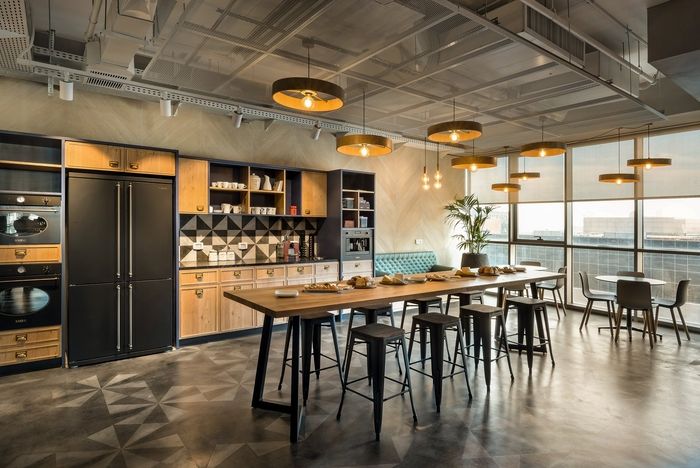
point(404, 211)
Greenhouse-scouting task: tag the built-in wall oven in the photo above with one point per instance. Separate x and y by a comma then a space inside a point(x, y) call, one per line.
point(29, 219)
point(357, 244)
point(30, 295)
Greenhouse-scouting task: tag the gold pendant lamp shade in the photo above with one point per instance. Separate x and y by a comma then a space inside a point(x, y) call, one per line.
point(506, 187)
point(543, 148)
point(455, 131)
point(472, 162)
point(524, 174)
point(618, 177)
point(649, 162)
point(306, 93)
point(363, 144)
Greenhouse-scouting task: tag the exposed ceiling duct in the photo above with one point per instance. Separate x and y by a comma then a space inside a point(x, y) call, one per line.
point(129, 27)
point(674, 42)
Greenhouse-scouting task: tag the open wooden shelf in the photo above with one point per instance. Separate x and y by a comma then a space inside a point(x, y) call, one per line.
point(218, 189)
point(271, 192)
point(30, 166)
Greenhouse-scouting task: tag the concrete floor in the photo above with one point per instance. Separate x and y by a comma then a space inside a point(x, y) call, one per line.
point(603, 404)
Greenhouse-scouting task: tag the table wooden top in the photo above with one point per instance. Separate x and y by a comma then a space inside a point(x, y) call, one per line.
point(615, 279)
point(265, 301)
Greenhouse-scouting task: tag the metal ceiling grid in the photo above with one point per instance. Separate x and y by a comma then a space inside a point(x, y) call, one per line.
point(13, 18)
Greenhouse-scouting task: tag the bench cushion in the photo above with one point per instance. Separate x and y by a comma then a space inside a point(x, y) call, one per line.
point(409, 263)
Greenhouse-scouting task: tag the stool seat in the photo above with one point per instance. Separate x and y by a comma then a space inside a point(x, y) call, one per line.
point(434, 318)
point(377, 332)
point(481, 309)
point(425, 300)
point(318, 316)
point(379, 310)
point(525, 301)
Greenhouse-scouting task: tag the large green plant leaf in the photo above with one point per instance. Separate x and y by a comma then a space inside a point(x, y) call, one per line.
point(469, 216)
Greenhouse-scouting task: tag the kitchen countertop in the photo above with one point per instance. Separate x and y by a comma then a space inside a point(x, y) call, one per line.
point(256, 262)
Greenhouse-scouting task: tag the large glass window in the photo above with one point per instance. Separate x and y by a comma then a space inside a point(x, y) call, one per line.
point(672, 224)
point(596, 262)
point(603, 223)
point(551, 258)
point(480, 182)
point(540, 221)
point(498, 253)
point(673, 268)
point(497, 224)
point(680, 178)
point(550, 186)
point(588, 162)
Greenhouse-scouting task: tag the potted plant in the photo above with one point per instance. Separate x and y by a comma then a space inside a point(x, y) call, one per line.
point(469, 216)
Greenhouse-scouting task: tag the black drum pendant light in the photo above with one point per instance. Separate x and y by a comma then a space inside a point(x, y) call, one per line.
point(306, 93)
point(543, 148)
point(454, 131)
point(363, 144)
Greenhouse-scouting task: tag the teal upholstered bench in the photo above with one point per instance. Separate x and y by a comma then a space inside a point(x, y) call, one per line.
point(407, 262)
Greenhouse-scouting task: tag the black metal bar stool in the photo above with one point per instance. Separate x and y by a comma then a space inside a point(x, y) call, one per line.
point(311, 345)
point(424, 304)
point(464, 298)
point(529, 310)
point(371, 313)
point(377, 336)
point(481, 315)
point(437, 324)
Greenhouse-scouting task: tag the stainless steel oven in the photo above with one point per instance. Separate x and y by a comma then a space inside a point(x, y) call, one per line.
point(30, 219)
point(357, 244)
point(30, 295)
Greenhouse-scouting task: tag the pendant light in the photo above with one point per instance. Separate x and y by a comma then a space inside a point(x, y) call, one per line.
point(363, 144)
point(472, 162)
point(543, 148)
point(454, 131)
point(507, 186)
point(425, 179)
point(438, 176)
point(524, 175)
point(306, 93)
point(649, 162)
point(618, 177)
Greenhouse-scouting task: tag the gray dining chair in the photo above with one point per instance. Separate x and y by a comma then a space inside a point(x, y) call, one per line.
point(591, 299)
point(631, 274)
point(556, 288)
point(635, 295)
point(677, 303)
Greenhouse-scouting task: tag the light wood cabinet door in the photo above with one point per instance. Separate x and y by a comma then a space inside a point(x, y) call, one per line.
point(234, 315)
point(91, 156)
point(193, 277)
point(193, 186)
point(313, 193)
point(143, 161)
point(49, 253)
point(198, 311)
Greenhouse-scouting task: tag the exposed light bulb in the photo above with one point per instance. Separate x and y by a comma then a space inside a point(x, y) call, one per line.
point(308, 101)
point(454, 136)
point(438, 176)
point(524, 177)
point(543, 153)
point(473, 168)
point(437, 184)
point(426, 186)
point(647, 166)
point(425, 179)
point(364, 151)
point(506, 189)
point(618, 181)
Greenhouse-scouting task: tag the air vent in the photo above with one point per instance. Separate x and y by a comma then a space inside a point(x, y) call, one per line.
point(547, 30)
point(105, 80)
point(15, 38)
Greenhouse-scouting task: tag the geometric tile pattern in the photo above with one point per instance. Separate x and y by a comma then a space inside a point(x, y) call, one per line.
point(261, 233)
point(601, 405)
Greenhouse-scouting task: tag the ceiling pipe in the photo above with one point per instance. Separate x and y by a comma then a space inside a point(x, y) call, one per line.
point(564, 23)
point(94, 14)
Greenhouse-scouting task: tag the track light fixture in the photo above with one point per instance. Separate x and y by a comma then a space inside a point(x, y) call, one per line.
point(168, 107)
point(317, 131)
point(237, 118)
point(65, 88)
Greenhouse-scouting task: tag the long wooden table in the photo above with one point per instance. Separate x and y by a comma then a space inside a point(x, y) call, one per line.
point(264, 300)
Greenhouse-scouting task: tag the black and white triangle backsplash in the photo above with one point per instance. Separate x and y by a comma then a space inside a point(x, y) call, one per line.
point(261, 233)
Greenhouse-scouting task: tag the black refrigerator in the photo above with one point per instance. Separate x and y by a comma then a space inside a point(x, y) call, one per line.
point(120, 266)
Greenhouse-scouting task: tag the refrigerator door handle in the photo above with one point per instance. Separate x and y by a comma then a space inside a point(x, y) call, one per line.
point(131, 317)
point(119, 323)
point(119, 228)
point(131, 232)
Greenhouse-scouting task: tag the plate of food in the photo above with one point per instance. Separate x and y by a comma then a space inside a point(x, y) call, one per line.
point(489, 271)
point(324, 288)
point(417, 279)
point(521, 269)
point(437, 277)
point(466, 272)
point(508, 269)
point(395, 280)
point(362, 282)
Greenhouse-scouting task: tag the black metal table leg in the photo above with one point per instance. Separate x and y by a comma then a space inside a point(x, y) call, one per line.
point(296, 409)
point(422, 309)
point(307, 344)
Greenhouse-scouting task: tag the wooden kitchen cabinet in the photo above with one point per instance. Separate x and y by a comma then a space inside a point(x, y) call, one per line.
point(144, 161)
point(198, 311)
point(49, 253)
point(234, 315)
point(193, 186)
point(31, 344)
point(313, 193)
point(81, 155)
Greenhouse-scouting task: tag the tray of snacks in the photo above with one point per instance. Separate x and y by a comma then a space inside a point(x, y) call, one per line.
point(466, 272)
point(417, 279)
point(325, 288)
point(489, 271)
point(393, 280)
point(362, 282)
point(437, 277)
point(508, 269)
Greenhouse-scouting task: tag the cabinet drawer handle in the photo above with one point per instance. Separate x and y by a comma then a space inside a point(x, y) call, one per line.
point(199, 292)
point(236, 288)
point(20, 253)
point(200, 207)
point(307, 211)
point(134, 166)
point(300, 269)
point(114, 164)
point(21, 338)
point(21, 355)
point(357, 265)
point(199, 276)
point(270, 272)
point(325, 267)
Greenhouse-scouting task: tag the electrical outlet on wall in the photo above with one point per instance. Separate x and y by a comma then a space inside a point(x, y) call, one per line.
point(242, 246)
point(198, 246)
point(419, 241)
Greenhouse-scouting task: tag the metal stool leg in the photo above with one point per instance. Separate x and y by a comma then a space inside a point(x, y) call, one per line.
point(393, 324)
point(464, 357)
point(377, 354)
point(286, 353)
point(316, 344)
point(407, 381)
point(337, 351)
point(549, 336)
point(504, 342)
point(347, 340)
point(347, 374)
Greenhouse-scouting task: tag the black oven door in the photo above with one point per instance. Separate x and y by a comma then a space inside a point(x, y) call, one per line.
point(21, 225)
point(30, 302)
